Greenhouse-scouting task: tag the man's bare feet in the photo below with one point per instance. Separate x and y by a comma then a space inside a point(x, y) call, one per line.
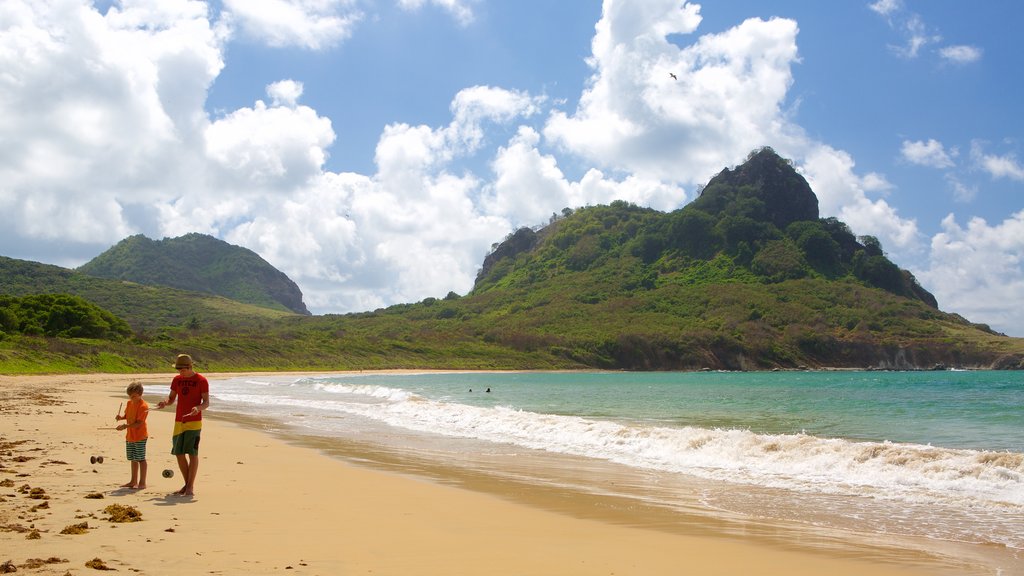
point(128, 485)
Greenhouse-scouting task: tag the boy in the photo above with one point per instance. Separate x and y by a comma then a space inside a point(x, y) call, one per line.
point(137, 433)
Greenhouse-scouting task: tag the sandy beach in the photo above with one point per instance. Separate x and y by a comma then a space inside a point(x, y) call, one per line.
point(265, 505)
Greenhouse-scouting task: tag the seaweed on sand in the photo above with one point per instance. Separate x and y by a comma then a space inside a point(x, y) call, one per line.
point(121, 513)
point(80, 528)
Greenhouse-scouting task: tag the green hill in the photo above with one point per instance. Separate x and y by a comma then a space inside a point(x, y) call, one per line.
point(199, 263)
point(146, 309)
point(745, 277)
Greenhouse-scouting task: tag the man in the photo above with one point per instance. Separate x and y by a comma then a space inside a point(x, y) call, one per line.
point(192, 391)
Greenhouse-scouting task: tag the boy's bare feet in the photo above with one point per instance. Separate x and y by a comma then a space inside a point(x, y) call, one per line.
point(128, 485)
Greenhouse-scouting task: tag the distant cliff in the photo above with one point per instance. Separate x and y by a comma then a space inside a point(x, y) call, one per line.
point(199, 263)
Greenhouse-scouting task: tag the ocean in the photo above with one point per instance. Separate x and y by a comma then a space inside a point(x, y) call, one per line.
point(931, 461)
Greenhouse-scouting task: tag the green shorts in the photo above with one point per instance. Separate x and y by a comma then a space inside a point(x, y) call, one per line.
point(186, 438)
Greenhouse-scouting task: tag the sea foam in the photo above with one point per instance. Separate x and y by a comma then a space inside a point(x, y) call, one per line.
point(882, 470)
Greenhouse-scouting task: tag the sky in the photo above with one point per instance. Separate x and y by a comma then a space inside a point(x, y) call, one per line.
point(376, 151)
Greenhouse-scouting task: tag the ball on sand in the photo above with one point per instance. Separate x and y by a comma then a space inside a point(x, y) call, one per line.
point(168, 473)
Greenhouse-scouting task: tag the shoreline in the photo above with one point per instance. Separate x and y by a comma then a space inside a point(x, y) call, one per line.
point(270, 501)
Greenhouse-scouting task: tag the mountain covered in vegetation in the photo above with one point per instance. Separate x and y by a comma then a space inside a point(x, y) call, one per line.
point(746, 276)
point(199, 263)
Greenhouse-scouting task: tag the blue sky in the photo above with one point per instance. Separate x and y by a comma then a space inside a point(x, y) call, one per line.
point(375, 151)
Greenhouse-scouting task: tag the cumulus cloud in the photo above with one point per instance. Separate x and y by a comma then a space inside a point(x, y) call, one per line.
point(726, 98)
point(1005, 166)
point(285, 93)
point(97, 110)
point(931, 153)
point(460, 9)
point(276, 146)
point(529, 186)
point(977, 269)
point(309, 24)
point(844, 194)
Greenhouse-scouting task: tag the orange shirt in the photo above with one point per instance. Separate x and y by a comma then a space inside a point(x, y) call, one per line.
point(136, 411)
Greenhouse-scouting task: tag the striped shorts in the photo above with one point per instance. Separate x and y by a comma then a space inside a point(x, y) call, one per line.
point(136, 451)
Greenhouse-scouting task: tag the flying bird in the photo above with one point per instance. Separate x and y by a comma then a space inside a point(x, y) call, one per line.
point(673, 76)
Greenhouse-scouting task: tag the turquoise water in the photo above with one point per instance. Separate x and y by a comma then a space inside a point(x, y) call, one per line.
point(938, 455)
point(979, 410)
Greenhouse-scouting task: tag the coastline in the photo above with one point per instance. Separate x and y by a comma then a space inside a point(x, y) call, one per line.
point(266, 503)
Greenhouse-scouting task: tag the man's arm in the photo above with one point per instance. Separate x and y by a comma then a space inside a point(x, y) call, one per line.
point(202, 405)
point(170, 400)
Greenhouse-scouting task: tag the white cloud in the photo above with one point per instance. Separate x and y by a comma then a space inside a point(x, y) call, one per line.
point(931, 153)
point(843, 194)
point(102, 113)
point(473, 106)
point(961, 192)
point(886, 7)
point(961, 54)
point(309, 24)
point(917, 34)
point(917, 37)
point(459, 9)
point(264, 146)
point(1006, 166)
point(727, 98)
point(285, 93)
point(977, 270)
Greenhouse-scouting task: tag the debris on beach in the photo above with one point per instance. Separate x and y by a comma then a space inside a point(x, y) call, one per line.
point(33, 563)
point(34, 535)
point(38, 494)
point(80, 528)
point(8, 567)
point(97, 564)
point(94, 496)
point(6, 483)
point(121, 513)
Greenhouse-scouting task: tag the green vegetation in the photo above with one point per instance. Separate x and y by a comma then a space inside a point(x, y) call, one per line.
point(199, 263)
point(59, 316)
point(745, 277)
